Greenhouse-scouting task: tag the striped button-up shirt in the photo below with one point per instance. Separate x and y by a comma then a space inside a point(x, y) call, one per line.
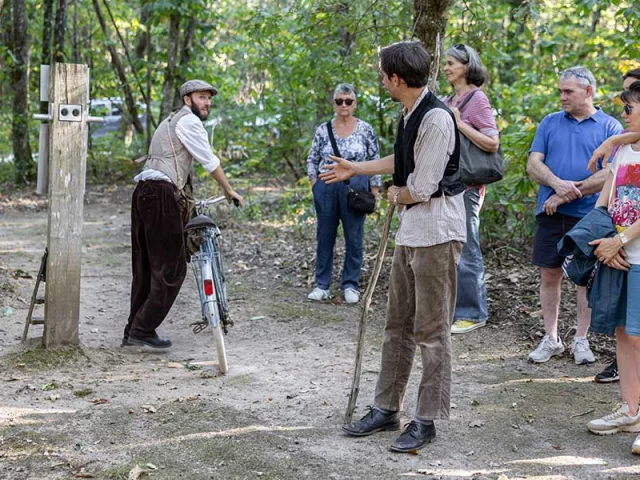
point(433, 220)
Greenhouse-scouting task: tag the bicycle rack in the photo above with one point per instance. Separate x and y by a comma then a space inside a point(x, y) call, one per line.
point(35, 299)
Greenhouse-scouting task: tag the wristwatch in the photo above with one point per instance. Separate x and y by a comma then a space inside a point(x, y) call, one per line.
point(623, 238)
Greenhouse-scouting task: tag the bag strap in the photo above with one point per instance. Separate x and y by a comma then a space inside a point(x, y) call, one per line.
point(334, 145)
point(332, 139)
point(466, 100)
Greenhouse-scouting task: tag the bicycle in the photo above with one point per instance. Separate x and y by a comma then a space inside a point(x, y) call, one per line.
point(207, 268)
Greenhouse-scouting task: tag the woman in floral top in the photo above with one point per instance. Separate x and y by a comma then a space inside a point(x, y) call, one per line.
point(621, 193)
point(357, 142)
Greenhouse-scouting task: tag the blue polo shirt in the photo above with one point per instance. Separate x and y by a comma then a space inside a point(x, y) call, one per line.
point(567, 145)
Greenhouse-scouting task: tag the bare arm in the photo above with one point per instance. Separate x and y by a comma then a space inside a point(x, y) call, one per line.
point(344, 169)
point(604, 151)
point(479, 139)
point(219, 176)
point(542, 175)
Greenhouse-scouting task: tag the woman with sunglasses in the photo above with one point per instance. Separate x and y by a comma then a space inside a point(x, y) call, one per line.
point(466, 73)
point(621, 194)
point(356, 141)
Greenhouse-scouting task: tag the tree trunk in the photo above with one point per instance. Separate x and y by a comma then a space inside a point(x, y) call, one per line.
point(140, 48)
point(115, 61)
point(430, 19)
point(74, 43)
point(25, 167)
point(168, 89)
point(185, 58)
point(47, 29)
point(60, 31)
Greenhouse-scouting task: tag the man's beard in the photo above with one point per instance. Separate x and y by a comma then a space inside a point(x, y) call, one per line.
point(196, 111)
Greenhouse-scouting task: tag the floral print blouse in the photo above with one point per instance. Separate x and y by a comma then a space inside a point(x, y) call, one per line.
point(360, 146)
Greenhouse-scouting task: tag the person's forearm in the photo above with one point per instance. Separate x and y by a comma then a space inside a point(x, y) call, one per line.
point(603, 199)
point(623, 139)
point(376, 167)
point(219, 176)
point(594, 183)
point(540, 173)
point(479, 139)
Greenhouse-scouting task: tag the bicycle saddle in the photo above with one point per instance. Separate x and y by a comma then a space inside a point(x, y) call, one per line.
point(200, 221)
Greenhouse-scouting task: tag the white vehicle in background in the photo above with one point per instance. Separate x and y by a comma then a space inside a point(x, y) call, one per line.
point(113, 110)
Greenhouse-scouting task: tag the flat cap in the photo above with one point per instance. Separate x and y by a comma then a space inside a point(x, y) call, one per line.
point(191, 86)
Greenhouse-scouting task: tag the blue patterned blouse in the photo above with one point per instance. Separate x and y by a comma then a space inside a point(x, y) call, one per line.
point(360, 146)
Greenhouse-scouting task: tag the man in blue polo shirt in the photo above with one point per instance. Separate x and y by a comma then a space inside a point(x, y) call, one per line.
point(558, 161)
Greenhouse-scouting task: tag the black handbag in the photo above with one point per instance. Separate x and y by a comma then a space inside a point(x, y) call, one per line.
point(357, 201)
point(478, 167)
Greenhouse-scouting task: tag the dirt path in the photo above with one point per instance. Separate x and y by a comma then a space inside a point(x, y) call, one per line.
point(100, 411)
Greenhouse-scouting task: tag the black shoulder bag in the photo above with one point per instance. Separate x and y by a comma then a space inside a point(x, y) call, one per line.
point(357, 201)
point(478, 167)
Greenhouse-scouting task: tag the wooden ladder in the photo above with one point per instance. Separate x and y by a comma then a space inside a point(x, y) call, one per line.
point(35, 299)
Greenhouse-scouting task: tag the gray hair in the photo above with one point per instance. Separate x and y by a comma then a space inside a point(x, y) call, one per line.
point(476, 73)
point(582, 74)
point(345, 89)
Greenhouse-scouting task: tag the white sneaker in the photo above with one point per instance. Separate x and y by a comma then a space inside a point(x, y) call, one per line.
point(546, 349)
point(635, 448)
point(618, 421)
point(351, 295)
point(581, 351)
point(319, 294)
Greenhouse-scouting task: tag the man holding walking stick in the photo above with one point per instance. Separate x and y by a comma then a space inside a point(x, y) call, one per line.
point(427, 191)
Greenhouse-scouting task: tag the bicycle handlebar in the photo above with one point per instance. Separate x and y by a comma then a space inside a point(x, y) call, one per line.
point(212, 200)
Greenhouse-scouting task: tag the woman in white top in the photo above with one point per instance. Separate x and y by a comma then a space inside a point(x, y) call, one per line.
point(621, 193)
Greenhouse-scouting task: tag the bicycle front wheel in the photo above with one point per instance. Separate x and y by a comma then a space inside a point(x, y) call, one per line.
point(212, 315)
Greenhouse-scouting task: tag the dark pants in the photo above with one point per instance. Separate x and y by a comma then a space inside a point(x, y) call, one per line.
point(331, 207)
point(158, 259)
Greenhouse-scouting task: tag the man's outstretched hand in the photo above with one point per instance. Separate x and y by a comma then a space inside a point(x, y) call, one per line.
point(340, 171)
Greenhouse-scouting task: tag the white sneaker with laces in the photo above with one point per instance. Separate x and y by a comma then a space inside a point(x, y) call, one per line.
point(618, 421)
point(581, 351)
point(546, 349)
point(319, 294)
point(351, 295)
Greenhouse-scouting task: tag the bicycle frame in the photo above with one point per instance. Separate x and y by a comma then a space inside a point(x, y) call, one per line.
point(209, 276)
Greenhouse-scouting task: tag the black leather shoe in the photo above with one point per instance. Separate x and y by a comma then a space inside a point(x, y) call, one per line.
point(415, 436)
point(151, 341)
point(372, 422)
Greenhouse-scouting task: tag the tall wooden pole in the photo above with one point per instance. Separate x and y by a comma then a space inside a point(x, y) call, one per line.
point(68, 94)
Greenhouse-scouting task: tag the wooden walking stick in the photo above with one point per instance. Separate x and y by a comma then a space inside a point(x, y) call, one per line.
point(355, 385)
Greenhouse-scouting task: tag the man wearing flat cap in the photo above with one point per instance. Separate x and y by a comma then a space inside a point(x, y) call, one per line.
point(157, 239)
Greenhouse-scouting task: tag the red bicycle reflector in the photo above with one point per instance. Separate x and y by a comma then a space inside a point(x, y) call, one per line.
point(208, 287)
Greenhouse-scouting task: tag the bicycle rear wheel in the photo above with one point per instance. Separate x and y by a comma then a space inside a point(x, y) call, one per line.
point(212, 315)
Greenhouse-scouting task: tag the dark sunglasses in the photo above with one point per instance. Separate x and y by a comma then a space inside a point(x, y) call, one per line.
point(627, 109)
point(347, 101)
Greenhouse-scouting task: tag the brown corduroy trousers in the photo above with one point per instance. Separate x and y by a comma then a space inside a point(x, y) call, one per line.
point(422, 297)
point(158, 258)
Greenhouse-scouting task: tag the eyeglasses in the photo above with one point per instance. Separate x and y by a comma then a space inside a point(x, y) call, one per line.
point(576, 73)
point(346, 101)
point(460, 46)
point(627, 109)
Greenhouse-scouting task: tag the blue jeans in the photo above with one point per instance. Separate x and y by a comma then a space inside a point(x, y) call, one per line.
point(331, 207)
point(471, 302)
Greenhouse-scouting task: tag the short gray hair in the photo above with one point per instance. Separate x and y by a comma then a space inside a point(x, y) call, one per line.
point(345, 89)
point(476, 73)
point(582, 74)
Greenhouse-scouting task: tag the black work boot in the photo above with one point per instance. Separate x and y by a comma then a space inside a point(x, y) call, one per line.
point(153, 341)
point(415, 436)
point(374, 421)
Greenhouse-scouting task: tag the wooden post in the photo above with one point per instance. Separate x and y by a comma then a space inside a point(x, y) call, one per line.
point(68, 94)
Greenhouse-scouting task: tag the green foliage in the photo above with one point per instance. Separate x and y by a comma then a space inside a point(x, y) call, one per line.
point(276, 63)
